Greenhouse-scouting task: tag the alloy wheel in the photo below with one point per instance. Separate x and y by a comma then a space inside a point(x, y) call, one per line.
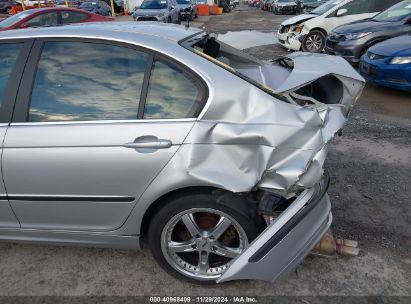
point(314, 43)
point(202, 242)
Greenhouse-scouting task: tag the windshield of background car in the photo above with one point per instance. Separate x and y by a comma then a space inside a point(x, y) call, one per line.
point(322, 9)
point(153, 4)
point(395, 13)
point(183, 1)
point(88, 4)
point(13, 19)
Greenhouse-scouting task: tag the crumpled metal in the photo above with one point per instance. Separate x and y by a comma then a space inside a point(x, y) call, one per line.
point(253, 142)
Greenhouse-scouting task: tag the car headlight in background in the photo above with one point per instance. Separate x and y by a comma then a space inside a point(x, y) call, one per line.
point(353, 36)
point(401, 60)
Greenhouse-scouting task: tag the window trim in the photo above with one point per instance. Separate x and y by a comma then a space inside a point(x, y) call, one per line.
point(23, 99)
point(15, 79)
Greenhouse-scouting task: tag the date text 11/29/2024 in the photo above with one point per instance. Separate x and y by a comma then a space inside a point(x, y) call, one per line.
point(203, 299)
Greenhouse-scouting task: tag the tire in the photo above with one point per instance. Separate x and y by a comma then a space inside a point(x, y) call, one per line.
point(169, 20)
point(314, 42)
point(168, 226)
point(9, 11)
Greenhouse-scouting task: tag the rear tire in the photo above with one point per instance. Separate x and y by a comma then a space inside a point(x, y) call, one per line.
point(314, 42)
point(184, 239)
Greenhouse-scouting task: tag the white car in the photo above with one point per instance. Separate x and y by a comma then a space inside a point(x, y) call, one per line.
point(308, 32)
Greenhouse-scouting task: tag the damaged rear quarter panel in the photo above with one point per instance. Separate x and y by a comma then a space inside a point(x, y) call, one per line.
point(246, 139)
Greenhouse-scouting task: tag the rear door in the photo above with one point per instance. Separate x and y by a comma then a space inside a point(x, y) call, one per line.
point(13, 55)
point(94, 123)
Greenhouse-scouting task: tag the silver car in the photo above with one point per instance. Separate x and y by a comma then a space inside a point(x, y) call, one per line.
point(166, 11)
point(117, 132)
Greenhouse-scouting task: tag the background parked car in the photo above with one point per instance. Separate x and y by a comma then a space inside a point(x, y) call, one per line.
point(388, 63)
point(309, 5)
point(165, 11)
point(351, 41)
point(255, 3)
point(264, 5)
point(188, 9)
point(97, 7)
point(309, 31)
point(50, 16)
point(5, 6)
point(72, 3)
point(288, 7)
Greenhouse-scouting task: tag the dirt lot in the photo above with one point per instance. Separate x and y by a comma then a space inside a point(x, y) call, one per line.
point(370, 166)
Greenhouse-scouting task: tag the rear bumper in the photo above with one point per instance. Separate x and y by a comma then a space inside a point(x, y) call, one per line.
point(287, 241)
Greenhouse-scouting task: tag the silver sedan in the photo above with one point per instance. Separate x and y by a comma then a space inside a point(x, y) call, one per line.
point(121, 131)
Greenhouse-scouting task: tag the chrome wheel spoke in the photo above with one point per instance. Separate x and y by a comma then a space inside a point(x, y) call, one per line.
point(222, 225)
point(191, 225)
point(228, 252)
point(203, 261)
point(186, 246)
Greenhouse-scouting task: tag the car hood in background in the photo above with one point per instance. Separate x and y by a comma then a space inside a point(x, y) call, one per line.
point(298, 19)
point(398, 46)
point(366, 26)
point(149, 12)
point(184, 6)
point(281, 4)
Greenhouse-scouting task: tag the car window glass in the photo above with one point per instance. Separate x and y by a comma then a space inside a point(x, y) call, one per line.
point(357, 7)
point(47, 19)
point(8, 58)
point(172, 93)
point(73, 17)
point(78, 81)
point(379, 6)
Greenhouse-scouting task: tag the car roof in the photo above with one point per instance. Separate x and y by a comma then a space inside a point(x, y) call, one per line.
point(107, 30)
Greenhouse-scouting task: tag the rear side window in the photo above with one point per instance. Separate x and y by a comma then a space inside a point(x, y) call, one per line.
point(80, 81)
point(379, 5)
point(173, 93)
point(46, 19)
point(8, 58)
point(357, 7)
point(72, 17)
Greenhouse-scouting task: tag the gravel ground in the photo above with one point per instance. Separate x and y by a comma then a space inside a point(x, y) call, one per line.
point(370, 166)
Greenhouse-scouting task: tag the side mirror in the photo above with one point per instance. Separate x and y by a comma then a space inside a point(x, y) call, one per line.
point(25, 25)
point(342, 12)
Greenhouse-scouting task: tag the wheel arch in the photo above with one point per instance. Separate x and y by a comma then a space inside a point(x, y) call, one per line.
point(224, 197)
point(320, 29)
point(164, 198)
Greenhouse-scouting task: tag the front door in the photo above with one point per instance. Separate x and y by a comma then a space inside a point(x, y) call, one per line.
point(93, 126)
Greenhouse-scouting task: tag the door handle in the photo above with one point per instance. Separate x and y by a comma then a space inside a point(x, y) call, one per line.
point(158, 144)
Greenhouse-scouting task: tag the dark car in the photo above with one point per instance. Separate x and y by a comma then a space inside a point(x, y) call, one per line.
point(287, 7)
point(50, 16)
point(389, 63)
point(5, 6)
point(309, 5)
point(352, 40)
point(71, 3)
point(97, 7)
point(188, 9)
